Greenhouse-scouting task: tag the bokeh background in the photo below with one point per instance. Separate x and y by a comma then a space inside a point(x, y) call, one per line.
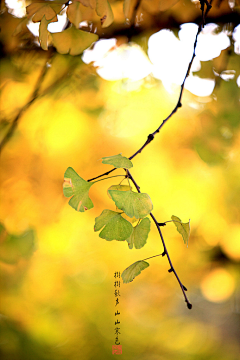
point(57, 275)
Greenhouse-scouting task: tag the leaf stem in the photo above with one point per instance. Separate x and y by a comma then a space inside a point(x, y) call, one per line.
point(151, 257)
point(108, 178)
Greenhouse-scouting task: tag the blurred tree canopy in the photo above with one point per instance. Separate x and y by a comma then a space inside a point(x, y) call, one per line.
point(87, 79)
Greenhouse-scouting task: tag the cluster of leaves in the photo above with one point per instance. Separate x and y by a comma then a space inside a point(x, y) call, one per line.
point(71, 40)
point(129, 222)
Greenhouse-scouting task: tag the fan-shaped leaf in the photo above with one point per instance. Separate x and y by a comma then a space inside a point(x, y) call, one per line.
point(133, 204)
point(40, 9)
point(182, 228)
point(78, 188)
point(115, 227)
point(73, 41)
point(119, 187)
point(74, 13)
point(134, 270)
point(118, 161)
point(139, 235)
point(104, 10)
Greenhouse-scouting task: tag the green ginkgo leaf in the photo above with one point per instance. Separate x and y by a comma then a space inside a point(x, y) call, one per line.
point(119, 187)
point(78, 188)
point(182, 228)
point(73, 41)
point(134, 270)
point(139, 235)
point(115, 226)
point(132, 203)
point(118, 161)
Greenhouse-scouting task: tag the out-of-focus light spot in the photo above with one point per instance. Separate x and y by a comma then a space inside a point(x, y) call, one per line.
point(238, 81)
point(228, 75)
point(218, 285)
point(100, 49)
point(52, 27)
point(60, 24)
point(210, 44)
point(199, 86)
point(116, 63)
point(231, 4)
point(16, 7)
point(165, 48)
point(34, 28)
point(231, 244)
point(170, 57)
point(236, 38)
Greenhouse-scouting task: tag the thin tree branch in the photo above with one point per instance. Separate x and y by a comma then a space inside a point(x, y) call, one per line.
point(34, 97)
point(165, 251)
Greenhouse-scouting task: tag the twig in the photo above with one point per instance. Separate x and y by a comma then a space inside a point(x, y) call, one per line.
point(27, 105)
point(165, 251)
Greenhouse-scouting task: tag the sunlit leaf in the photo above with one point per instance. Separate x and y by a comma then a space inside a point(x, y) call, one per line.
point(132, 203)
point(134, 270)
point(40, 9)
point(118, 161)
point(104, 10)
point(115, 227)
point(128, 7)
point(74, 13)
point(78, 188)
point(15, 247)
point(43, 33)
point(139, 235)
point(73, 41)
point(182, 228)
point(119, 188)
point(122, 188)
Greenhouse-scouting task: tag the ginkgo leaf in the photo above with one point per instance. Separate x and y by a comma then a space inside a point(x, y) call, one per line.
point(139, 235)
point(43, 33)
point(118, 161)
point(74, 13)
point(73, 41)
point(104, 10)
point(88, 3)
point(182, 228)
point(78, 188)
point(122, 188)
point(134, 270)
point(40, 9)
point(119, 188)
point(132, 203)
point(128, 7)
point(115, 227)
point(14, 247)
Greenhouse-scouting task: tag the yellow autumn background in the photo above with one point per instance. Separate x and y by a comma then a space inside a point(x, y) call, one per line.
point(57, 298)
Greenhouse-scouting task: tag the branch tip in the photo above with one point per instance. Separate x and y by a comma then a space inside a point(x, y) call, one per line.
point(189, 306)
